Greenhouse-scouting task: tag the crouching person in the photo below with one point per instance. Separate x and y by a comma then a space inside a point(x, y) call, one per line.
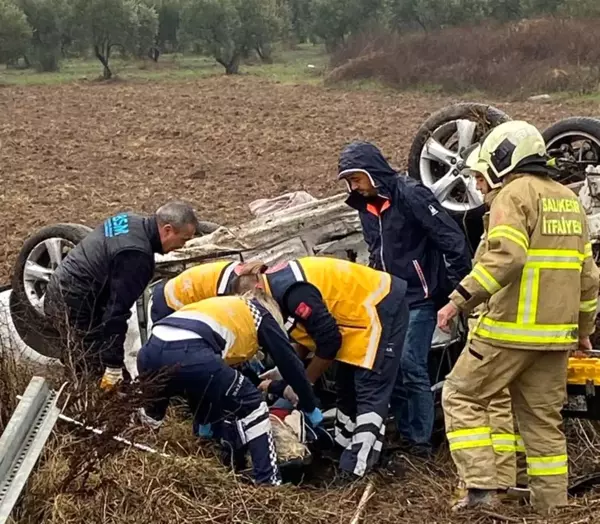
point(196, 346)
point(197, 283)
point(357, 316)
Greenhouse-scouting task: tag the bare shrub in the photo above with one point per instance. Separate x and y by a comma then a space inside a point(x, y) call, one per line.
point(544, 55)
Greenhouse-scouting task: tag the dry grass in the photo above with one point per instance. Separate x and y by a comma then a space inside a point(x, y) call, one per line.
point(87, 478)
point(533, 56)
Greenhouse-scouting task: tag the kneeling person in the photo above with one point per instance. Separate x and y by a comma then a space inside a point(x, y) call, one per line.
point(197, 283)
point(199, 343)
point(353, 314)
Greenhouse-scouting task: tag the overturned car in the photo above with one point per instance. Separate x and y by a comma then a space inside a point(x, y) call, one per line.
point(297, 224)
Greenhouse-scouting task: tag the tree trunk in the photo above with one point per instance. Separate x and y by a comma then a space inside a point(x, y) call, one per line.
point(233, 66)
point(106, 72)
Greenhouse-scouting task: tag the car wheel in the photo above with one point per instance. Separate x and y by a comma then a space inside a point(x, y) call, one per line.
point(435, 159)
point(39, 257)
point(576, 141)
point(435, 155)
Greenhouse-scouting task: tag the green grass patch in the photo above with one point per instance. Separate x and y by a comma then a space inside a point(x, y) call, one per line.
point(305, 64)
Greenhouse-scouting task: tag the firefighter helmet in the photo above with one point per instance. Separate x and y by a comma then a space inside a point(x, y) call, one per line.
point(505, 149)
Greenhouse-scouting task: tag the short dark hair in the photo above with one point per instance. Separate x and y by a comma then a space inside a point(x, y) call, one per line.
point(176, 213)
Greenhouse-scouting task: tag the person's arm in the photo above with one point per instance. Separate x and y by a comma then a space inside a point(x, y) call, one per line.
point(273, 340)
point(503, 262)
point(442, 230)
point(307, 307)
point(589, 289)
point(130, 273)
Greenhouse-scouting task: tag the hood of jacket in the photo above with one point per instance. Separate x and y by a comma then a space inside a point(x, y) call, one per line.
point(364, 157)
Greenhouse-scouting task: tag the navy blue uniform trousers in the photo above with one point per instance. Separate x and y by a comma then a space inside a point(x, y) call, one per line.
point(192, 369)
point(363, 395)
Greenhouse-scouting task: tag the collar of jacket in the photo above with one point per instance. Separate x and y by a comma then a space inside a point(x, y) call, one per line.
point(360, 203)
point(151, 227)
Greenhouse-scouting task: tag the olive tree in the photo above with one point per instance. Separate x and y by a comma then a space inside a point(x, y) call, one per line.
point(49, 20)
point(229, 30)
point(15, 32)
point(115, 24)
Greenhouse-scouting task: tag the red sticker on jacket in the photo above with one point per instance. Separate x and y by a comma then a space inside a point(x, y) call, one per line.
point(303, 310)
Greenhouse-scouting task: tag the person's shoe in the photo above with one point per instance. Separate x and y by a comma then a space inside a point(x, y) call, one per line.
point(476, 498)
point(344, 479)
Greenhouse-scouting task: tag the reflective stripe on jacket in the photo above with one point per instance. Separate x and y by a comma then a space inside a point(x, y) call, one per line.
point(351, 293)
point(198, 283)
point(537, 273)
point(229, 324)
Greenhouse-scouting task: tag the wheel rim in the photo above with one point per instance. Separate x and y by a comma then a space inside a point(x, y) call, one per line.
point(576, 146)
point(443, 170)
point(42, 261)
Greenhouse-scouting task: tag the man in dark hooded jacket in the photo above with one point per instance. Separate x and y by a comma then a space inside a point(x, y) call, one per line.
point(411, 236)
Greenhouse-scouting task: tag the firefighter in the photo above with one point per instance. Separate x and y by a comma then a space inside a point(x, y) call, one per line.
point(539, 283)
point(195, 348)
point(356, 316)
point(506, 442)
point(195, 284)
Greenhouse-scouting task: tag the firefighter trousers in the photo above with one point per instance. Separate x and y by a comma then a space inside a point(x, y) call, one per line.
point(192, 369)
point(536, 382)
point(363, 395)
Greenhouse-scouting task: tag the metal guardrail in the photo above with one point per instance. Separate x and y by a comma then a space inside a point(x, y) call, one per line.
point(23, 440)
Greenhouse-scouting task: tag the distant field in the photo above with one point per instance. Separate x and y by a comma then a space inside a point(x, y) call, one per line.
point(287, 66)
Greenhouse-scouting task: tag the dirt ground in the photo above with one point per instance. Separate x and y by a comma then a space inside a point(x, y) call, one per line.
point(79, 152)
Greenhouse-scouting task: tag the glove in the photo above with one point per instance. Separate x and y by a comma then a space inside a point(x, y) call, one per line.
point(112, 376)
point(204, 431)
point(147, 420)
point(315, 417)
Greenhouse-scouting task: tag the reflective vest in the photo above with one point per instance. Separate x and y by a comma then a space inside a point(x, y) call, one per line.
point(229, 324)
point(536, 275)
point(350, 292)
point(198, 283)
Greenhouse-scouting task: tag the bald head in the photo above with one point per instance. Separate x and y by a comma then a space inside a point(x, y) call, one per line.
point(177, 223)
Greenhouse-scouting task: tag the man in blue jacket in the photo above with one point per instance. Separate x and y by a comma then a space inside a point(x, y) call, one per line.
point(411, 236)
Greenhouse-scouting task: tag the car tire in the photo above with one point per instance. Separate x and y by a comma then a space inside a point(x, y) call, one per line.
point(30, 323)
point(442, 125)
point(561, 141)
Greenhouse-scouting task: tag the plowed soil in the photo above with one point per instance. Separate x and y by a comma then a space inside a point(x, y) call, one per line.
point(79, 152)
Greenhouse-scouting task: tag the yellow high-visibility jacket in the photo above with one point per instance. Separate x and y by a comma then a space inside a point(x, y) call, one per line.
point(199, 282)
point(229, 324)
point(350, 292)
point(537, 274)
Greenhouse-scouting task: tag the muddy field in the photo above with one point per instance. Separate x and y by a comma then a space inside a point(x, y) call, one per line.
point(80, 152)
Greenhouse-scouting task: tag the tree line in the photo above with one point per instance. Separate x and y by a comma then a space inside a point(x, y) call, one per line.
point(40, 33)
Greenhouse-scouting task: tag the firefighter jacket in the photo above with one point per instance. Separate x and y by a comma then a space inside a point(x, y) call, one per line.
point(195, 284)
point(350, 293)
point(236, 328)
point(537, 273)
point(481, 247)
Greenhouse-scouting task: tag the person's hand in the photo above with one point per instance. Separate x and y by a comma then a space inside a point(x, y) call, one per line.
point(445, 316)
point(111, 377)
point(290, 395)
point(204, 431)
point(264, 386)
point(315, 417)
point(271, 374)
point(585, 344)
